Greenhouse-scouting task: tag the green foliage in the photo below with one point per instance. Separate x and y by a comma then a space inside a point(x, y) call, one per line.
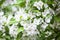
point(6, 30)
point(48, 1)
point(12, 21)
point(52, 20)
point(1, 2)
point(1, 33)
point(21, 29)
point(41, 36)
point(57, 18)
point(19, 36)
point(21, 3)
point(7, 33)
point(7, 10)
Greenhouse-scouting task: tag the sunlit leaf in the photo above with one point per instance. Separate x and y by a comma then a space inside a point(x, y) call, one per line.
point(19, 36)
point(12, 21)
point(21, 29)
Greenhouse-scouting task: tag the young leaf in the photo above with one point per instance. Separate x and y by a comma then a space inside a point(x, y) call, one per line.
point(20, 29)
point(12, 21)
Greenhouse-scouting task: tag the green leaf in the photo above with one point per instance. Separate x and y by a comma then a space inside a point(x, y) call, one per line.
point(1, 2)
point(20, 29)
point(19, 36)
point(50, 1)
point(7, 9)
point(19, 25)
point(57, 18)
point(12, 21)
point(1, 34)
point(21, 3)
point(45, 1)
point(6, 30)
point(7, 37)
point(52, 20)
point(36, 11)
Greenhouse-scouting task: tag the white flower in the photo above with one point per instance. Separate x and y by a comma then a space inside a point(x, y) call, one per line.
point(37, 14)
point(21, 14)
point(31, 29)
point(1, 13)
point(30, 14)
point(51, 11)
point(8, 19)
point(14, 8)
point(38, 5)
point(44, 25)
point(38, 21)
point(24, 16)
point(49, 33)
point(46, 11)
point(27, 2)
point(13, 30)
point(2, 19)
point(2, 28)
point(17, 16)
point(11, 1)
point(47, 19)
point(31, 33)
point(5, 4)
point(45, 5)
point(24, 23)
point(53, 39)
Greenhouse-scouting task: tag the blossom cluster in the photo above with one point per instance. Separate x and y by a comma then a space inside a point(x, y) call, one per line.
point(29, 20)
